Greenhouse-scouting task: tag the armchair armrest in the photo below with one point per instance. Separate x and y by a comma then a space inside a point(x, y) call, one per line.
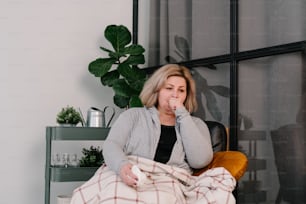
point(234, 161)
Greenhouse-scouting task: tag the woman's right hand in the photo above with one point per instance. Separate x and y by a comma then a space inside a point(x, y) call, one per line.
point(175, 103)
point(127, 175)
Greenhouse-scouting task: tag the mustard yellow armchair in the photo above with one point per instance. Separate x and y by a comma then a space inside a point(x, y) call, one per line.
point(234, 161)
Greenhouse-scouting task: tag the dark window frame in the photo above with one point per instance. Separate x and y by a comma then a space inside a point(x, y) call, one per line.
point(234, 57)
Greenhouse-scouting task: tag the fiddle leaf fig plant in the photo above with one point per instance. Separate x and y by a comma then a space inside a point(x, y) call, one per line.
point(120, 69)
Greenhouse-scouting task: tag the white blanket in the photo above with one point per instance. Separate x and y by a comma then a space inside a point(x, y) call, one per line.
point(164, 185)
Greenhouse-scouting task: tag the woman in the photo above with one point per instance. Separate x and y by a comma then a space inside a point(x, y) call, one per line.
point(163, 130)
point(164, 141)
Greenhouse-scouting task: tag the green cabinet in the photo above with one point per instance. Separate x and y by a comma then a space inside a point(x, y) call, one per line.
point(62, 174)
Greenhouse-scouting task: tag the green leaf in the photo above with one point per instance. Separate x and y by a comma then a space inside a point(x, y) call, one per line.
point(124, 69)
point(105, 49)
point(134, 50)
point(135, 102)
point(110, 78)
point(137, 85)
point(92, 158)
point(131, 73)
point(116, 55)
point(121, 101)
point(122, 88)
point(135, 59)
point(118, 36)
point(101, 66)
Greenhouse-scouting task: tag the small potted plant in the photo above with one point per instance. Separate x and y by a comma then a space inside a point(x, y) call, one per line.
point(68, 116)
point(92, 157)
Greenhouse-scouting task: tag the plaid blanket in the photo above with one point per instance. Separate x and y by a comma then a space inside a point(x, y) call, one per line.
point(164, 185)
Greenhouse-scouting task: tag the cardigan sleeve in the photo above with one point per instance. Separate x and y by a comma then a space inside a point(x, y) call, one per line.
point(195, 137)
point(113, 147)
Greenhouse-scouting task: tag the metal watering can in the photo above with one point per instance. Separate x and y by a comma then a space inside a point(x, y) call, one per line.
point(96, 117)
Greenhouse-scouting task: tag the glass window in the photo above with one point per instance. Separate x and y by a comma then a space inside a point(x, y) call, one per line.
point(267, 23)
point(271, 90)
point(272, 114)
point(183, 30)
point(210, 28)
point(213, 92)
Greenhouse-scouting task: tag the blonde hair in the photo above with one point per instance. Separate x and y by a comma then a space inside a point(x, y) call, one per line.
point(149, 93)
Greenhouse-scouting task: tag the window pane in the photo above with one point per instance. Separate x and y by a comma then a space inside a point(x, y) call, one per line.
point(213, 93)
point(265, 23)
point(182, 30)
point(272, 112)
point(210, 28)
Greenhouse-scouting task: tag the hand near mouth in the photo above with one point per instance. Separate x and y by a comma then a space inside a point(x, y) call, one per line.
point(174, 103)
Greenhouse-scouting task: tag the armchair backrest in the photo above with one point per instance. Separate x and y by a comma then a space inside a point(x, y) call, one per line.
point(233, 161)
point(218, 135)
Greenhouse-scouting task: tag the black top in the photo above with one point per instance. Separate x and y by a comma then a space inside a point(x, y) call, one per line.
point(165, 144)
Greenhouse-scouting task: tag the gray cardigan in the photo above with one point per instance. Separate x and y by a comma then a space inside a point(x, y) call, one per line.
point(137, 132)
